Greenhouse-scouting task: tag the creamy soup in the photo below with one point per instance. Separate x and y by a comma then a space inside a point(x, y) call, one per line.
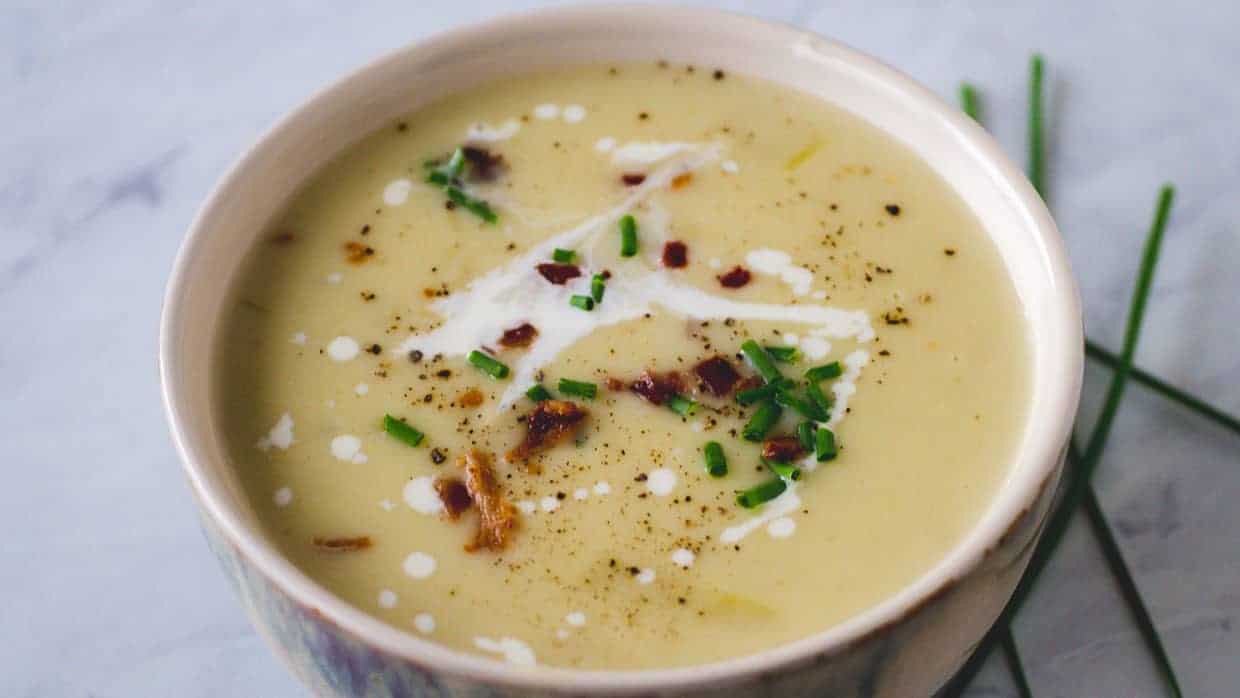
point(622, 367)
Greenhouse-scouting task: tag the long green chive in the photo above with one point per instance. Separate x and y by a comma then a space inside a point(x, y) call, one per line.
point(762, 392)
point(806, 408)
point(818, 374)
point(537, 393)
point(805, 434)
point(785, 471)
point(487, 365)
point(402, 431)
point(760, 360)
point(820, 400)
point(1037, 152)
point(761, 422)
point(628, 236)
point(970, 103)
point(760, 494)
point(824, 445)
point(578, 388)
point(582, 302)
point(716, 463)
point(563, 256)
point(784, 355)
point(682, 405)
point(478, 207)
point(598, 285)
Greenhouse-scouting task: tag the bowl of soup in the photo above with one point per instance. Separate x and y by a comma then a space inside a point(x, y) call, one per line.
point(622, 351)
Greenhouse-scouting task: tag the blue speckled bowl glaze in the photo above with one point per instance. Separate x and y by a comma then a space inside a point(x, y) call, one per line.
point(905, 646)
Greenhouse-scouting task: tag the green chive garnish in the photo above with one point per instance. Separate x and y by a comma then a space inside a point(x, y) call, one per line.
point(806, 408)
point(578, 388)
point(401, 431)
point(583, 302)
point(682, 405)
point(760, 494)
point(537, 393)
point(824, 445)
point(820, 400)
point(1037, 153)
point(628, 236)
point(760, 360)
point(970, 103)
point(805, 434)
point(784, 355)
point(825, 372)
point(785, 471)
point(598, 285)
point(716, 464)
point(762, 392)
point(478, 207)
point(487, 365)
point(563, 256)
point(761, 422)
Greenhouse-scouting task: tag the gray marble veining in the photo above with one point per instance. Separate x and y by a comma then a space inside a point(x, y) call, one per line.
point(118, 117)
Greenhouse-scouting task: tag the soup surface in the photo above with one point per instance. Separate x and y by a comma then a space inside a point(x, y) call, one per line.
point(585, 530)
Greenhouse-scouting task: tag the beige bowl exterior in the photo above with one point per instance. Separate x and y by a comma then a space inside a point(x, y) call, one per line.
point(907, 645)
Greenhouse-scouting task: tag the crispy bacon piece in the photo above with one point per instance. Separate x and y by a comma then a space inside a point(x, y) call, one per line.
point(343, 545)
point(658, 388)
point(558, 274)
point(718, 375)
point(782, 449)
point(484, 166)
point(454, 495)
point(520, 336)
point(632, 179)
point(681, 181)
point(470, 398)
point(497, 518)
point(357, 253)
point(675, 255)
point(737, 277)
point(549, 423)
point(614, 384)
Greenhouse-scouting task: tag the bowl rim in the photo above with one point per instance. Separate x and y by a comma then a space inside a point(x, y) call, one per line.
point(957, 563)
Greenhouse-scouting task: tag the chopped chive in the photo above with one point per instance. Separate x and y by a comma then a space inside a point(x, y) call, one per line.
point(806, 408)
point(598, 285)
point(762, 392)
point(478, 207)
point(805, 434)
point(716, 464)
point(487, 365)
point(1037, 153)
point(825, 372)
point(537, 393)
point(628, 236)
point(824, 445)
point(784, 355)
point(785, 471)
point(682, 405)
point(760, 494)
point(970, 103)
point(820, 400)
point(456, 164)
point(402, 431)
point(761, 422)
point(438, 178)
point(563, 256)
point(578, 388)
point(760, 360)
point(583, 302)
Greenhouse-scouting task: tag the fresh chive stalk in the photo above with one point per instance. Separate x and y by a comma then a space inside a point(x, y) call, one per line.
point(716, 463)
point(761, 422)
point(578, 388)
point(762, 392)
point(1037, 151)
point(806, 408)
point(760, 360)
point(582, 302)
point(598, 286)
point(402, 431)
point(785, 471)
point(805, 434)
point(820, 400)
point(487, 365)
point(818, 374)
point(784, 355)
point(628, 236)
point(970, 103)
point(682, 405)
point(824, 445)
point(563, 256)
point(478, 207)
point(760, 494)
point(538, 393)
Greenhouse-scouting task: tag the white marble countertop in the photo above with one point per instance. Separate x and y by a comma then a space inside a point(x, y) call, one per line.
point(118, 117)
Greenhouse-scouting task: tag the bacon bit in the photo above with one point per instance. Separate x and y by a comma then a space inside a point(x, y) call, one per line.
point(484, 166)
point(658, 388)
point(551, 422)
point(470, 398)
point(675, 254)
point(497, 518)
point(717, 374)
point(632, 180)
point(737, 277)
point(558, 274)
point(615, 384)
point(521, 336)
point(454, 495)
point(750, 383)
point(357, 253)
point(682, 180)
point(343, 545)
point(782, 449)
point(284, 238)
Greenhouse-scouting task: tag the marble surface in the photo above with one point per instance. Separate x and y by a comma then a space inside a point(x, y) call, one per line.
point(118, 117)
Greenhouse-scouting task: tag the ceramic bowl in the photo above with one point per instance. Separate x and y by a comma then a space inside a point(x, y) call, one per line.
point(905, 646)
